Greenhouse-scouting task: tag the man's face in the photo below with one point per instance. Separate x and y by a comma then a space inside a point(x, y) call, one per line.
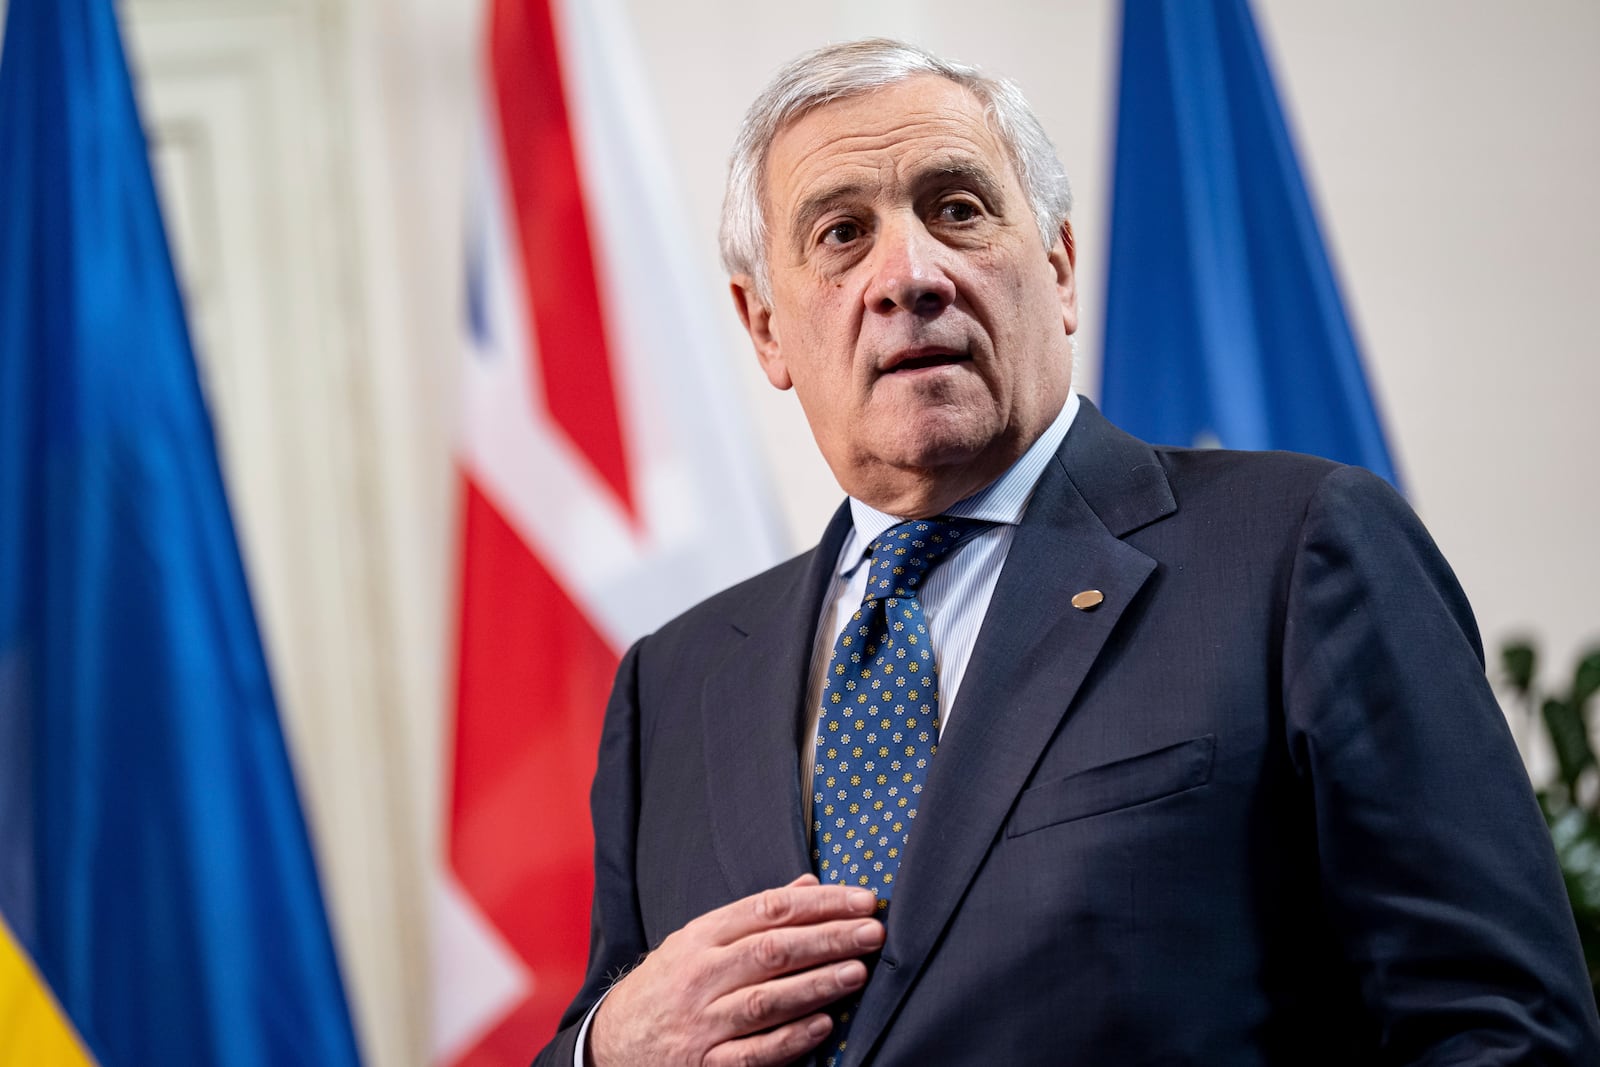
point(915, 311)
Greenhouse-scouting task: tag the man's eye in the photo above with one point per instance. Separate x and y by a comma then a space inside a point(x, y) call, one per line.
point(958, 211)
point(841, 233)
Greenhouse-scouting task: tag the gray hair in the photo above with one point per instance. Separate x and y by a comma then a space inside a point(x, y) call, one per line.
point(836, 72)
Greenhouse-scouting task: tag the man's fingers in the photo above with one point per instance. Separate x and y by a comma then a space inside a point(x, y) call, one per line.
point(783, 1045)
point(796, 904)
point(770, 954)
point(743, 984)
point(774, 1003)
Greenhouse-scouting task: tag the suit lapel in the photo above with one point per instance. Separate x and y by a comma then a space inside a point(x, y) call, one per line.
point(1032, 655)
point(753, 712)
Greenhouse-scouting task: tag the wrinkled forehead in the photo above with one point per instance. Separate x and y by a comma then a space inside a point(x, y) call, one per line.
point(920, 124)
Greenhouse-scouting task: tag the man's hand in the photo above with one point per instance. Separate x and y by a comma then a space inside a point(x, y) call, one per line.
point(742, 986)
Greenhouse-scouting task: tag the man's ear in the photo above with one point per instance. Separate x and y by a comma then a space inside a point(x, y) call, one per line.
point(1063, 257)
point(756, 317)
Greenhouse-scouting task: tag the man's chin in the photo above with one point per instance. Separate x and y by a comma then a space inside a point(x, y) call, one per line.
point(935, 441)
point(927, 475)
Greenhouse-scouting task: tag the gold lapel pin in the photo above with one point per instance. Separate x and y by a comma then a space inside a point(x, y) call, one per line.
point(1088, 600)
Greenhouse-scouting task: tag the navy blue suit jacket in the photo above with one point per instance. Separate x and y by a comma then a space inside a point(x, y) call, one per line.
point(1257, 807)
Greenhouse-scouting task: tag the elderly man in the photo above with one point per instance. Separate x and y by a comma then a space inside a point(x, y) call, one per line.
point(1197, 746)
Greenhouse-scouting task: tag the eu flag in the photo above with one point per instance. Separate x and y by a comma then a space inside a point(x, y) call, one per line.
point(154, 862)
point(1223, 320)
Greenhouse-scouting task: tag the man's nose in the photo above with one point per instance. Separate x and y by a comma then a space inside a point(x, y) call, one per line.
point(908, 271)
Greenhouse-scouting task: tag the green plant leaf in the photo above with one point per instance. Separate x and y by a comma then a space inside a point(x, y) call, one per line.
point(1550, 806)
point(1574, 831)
point(1519, 661)
point(1586, 681)
point(1576, 834)
point(1569, 735)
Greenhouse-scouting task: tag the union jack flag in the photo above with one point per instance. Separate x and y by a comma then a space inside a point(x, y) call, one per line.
point(607, 485)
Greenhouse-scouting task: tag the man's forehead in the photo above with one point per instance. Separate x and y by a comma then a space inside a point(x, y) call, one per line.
point(923, 127)
point(943, 166)
point(922, 105)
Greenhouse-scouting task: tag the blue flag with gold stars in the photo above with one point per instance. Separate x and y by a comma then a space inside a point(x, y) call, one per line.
point(1224, 324)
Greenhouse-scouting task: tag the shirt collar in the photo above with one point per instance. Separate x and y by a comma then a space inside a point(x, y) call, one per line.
point(1003, 500)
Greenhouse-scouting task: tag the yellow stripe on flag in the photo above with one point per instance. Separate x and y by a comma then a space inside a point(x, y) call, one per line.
point(34, 1032)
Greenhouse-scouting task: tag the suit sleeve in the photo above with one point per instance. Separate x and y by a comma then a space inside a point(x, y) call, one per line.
point(616, 932)
point(1437, 871)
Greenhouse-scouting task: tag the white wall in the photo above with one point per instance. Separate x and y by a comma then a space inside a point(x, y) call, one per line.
point(1456, 149)
point(1449, 144)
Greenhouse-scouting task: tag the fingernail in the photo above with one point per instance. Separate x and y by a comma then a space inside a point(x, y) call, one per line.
point(869, 934)
point(863, 898)
point(819, 1026)
point(848, 975)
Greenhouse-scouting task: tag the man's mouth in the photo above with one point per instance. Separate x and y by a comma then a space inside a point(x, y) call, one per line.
point(923, 358)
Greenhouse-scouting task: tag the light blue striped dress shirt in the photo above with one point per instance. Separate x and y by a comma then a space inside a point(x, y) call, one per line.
point(955, 596)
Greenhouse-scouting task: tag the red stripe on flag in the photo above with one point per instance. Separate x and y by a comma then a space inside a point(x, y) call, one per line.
point(513, 1042)
point(532, 686)
point(554, 235)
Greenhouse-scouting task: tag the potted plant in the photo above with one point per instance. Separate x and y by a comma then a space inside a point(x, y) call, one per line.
point(1571, 800)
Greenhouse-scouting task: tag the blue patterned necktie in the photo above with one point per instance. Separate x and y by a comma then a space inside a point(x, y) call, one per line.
point(879, 725)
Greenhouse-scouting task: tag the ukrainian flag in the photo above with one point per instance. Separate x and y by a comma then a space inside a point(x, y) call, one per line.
point(159, 898)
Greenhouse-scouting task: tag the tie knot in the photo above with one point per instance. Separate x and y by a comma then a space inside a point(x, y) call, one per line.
point(903, 555)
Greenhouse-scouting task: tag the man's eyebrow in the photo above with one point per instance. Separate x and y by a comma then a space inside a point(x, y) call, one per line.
point(818, 204)
point(980, 179)
point(937, 174)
